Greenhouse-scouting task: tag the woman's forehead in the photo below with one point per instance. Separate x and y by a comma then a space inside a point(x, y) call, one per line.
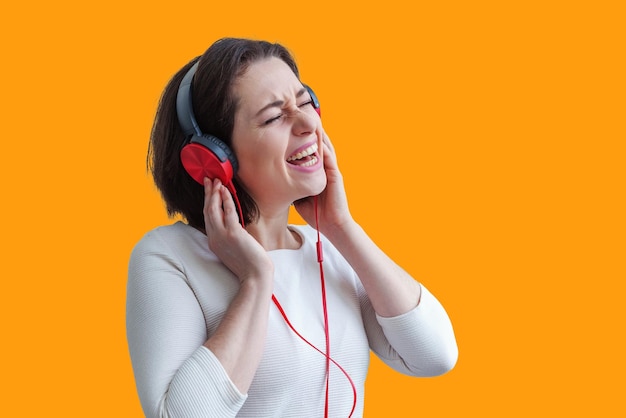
point(266, 80)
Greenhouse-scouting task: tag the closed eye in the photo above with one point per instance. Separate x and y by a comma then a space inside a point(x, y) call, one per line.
point(271, 120)
point(277, 117)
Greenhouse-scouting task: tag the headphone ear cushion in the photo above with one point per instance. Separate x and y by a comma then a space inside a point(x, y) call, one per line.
point(208, 156)
point(314, 100)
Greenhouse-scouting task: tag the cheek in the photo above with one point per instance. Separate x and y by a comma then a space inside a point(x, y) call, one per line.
point(255, 167)
point(262, 154)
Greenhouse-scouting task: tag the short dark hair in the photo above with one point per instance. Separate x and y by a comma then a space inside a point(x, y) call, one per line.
point(214, 106)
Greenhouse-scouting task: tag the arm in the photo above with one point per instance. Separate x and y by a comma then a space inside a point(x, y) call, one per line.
point(179, 370)
point(420, 342)
point(390, 289)
point(415, 332)
point(166, 330)
point(240, 338)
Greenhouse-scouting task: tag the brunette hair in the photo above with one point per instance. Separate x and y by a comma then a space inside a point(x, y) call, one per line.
point(214, 106)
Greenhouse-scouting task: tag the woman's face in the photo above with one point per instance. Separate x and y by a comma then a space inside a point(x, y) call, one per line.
point(277, 136)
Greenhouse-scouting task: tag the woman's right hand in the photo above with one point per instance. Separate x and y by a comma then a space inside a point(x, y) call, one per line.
point(232, 244)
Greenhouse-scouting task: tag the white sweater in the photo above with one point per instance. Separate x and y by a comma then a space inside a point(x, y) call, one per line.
point(178, 291)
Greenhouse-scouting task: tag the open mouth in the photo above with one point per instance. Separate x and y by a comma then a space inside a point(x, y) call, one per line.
point(305, 158)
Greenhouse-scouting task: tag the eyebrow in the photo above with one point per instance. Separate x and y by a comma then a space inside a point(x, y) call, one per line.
point(279, 103)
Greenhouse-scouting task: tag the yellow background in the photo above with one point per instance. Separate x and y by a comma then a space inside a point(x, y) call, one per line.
point(482, 147)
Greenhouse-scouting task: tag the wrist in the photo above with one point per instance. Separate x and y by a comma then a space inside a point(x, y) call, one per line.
point(342, 232)
point(258, 284)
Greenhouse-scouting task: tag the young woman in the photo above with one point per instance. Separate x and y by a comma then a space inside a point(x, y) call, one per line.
point(233, 312)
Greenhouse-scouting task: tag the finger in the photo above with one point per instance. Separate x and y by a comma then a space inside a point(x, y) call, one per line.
point(208, 186)
point(327, 146)
point(326, 141)
point(330, 159)
point(213, 215)
point(230, 211)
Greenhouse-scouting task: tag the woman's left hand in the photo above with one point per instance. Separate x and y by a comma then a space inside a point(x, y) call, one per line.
point(333, 211)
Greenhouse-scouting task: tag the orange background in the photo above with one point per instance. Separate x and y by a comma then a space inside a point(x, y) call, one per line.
point(482, 147)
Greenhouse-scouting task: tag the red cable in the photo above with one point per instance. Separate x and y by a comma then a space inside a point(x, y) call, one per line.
point(320, 259)
point(280, 308)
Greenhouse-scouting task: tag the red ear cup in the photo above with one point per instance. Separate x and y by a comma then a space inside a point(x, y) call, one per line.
point(207, 156)
point(200, 162)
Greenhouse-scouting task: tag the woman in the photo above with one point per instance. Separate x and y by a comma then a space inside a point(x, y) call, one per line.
point(225, 320)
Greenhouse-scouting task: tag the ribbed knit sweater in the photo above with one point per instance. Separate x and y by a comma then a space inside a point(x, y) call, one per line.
point(178, 291)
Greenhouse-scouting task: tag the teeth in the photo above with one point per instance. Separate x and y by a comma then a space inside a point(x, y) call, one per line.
point(310, 162)
point(310, 150)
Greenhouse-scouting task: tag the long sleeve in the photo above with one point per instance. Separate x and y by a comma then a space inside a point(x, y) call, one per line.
point(423, 339)
point(420, 342)
point(176, 375)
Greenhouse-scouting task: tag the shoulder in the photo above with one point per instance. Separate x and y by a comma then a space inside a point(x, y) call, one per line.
point(162, 236)
point(176, 241)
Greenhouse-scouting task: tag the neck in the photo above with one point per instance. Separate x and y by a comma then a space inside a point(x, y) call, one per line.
point(272, 233)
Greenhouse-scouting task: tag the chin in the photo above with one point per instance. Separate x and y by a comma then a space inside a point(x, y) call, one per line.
point(317, 186)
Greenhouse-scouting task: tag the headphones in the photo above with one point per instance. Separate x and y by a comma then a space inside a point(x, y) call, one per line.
point(205, 155)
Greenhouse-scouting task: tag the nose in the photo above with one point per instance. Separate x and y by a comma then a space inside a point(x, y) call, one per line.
point(304, 122)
